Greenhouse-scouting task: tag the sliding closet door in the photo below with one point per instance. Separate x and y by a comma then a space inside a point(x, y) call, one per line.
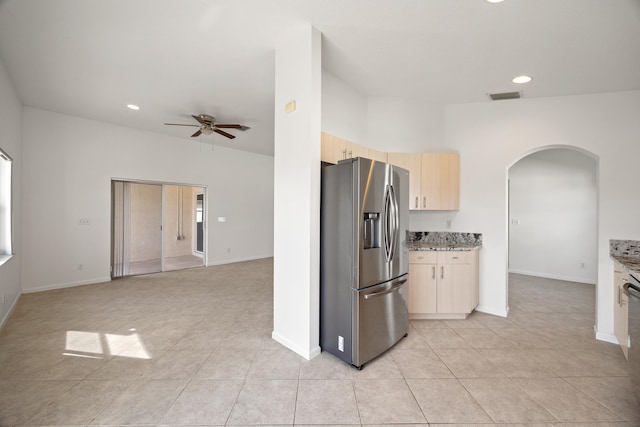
point(136, 228)
point(120, 230)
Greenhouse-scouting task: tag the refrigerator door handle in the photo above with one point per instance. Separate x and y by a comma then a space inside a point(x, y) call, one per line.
point(398, 285)
point(396, 221)
point(386, 226)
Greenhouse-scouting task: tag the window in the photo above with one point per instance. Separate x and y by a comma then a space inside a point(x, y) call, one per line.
point(5, 207)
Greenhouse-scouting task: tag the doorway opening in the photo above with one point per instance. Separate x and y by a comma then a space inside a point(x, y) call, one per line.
point(552, 228)
point(156, 227)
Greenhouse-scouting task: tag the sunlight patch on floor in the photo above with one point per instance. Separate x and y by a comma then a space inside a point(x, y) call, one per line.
point(97, 345)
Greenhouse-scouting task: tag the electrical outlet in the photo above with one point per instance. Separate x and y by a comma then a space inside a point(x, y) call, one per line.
point(340, 343)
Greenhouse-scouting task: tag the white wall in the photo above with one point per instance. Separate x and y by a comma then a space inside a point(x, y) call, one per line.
point(492, 136)
point(68, 165)
point(145, 215)
point(344, 110)
point(404, 125)
point(296, 273)
point(553, 216)
point(11, 143)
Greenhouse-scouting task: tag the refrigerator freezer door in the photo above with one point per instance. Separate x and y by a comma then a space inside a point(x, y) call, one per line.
point(381, 319)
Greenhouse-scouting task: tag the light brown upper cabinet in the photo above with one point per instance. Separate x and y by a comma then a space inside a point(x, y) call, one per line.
point(334, 149)
point(434, 179)
point(413, 163)
point(376, 155)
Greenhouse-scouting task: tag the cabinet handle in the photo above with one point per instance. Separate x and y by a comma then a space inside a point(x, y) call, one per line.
point(424, 202)
point(416, 202)
point(442, 272)
point(619, 296)
point(344, 154)
point(433, 272)
point(350, 154)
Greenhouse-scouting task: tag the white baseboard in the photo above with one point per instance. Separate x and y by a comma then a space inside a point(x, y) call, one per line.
point(306, 353)
point(552, 276)
point(9, 312)
point(606, 337)
point(492, 310)
point(67, 285)
point(234, 260)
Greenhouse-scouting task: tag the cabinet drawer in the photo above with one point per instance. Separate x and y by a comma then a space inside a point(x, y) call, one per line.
point(423, 257)
point(455, 257)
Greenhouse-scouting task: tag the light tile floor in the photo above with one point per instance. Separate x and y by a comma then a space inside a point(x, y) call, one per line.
point(193, 347)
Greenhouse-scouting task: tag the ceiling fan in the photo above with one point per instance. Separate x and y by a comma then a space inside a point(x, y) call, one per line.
point(208, 125)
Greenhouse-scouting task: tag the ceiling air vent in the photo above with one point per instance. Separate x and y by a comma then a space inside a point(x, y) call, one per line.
point(504, 95)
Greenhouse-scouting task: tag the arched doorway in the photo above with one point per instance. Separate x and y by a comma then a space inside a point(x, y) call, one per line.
point(552, 226)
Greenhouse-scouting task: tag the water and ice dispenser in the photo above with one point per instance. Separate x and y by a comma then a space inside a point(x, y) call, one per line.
point(371, 230)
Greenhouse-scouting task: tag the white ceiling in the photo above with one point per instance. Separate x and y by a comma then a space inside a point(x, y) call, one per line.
point(90, 58)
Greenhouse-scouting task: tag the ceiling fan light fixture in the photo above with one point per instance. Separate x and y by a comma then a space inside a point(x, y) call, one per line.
point(206, 130)
point(522, 79)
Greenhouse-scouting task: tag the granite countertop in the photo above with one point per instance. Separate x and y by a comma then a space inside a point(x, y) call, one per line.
point(424, 246)
point(627, 253)
point(442, 241)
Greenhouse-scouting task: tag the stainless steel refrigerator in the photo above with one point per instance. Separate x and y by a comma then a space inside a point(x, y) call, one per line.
point(364, 262)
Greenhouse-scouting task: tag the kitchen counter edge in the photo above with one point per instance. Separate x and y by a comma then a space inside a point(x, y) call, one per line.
point(630, 263)
point(422, 246)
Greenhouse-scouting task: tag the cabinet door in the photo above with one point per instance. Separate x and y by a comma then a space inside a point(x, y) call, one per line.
point(440, 181)
point(412, 163)
point(332, 148)
point(621, 309)
point(378, 156)
point(455, 292)
point(422, 288)
point(356, 150)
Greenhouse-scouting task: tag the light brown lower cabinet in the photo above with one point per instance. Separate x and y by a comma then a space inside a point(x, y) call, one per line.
point(621, 308)
point(443, 284)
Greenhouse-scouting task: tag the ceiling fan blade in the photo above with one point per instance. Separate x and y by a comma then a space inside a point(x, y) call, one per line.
point(204, 119)
point(232, 126)
point(223, 133)
point(198, 133)
point(180, 124)
point(199, 119)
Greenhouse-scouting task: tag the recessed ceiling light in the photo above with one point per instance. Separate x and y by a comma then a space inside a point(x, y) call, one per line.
point(133, 107)
point(521, 79)
point(494, 1)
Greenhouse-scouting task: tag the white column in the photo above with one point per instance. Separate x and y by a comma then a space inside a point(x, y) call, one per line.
point(297, 191)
